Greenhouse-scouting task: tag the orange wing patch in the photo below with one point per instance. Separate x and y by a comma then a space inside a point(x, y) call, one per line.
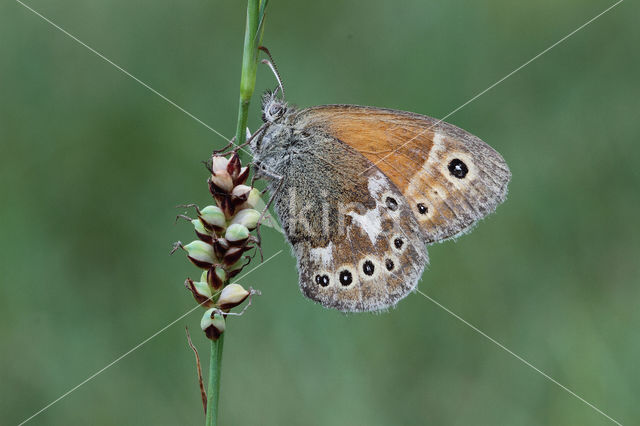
point(449, 177)
point(377, 134)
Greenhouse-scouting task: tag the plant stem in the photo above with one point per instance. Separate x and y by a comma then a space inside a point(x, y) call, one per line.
point(252, 39)
point(215, 370)
point(252, 36)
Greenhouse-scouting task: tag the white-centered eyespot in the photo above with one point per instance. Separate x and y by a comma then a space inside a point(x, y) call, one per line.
point(369, 267)
point(323, 279)
point(458, 167)
point(391, 263)
point(422, 209)
point(391, 202)
point(346, 276)
point(398, 243)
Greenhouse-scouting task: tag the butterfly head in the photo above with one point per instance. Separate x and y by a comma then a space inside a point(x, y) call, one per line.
point(273, 107)
point(270, 148)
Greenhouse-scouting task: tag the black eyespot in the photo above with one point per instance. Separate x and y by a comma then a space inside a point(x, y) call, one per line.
point(392, 204)
point(458, 169)
point(388, 264)
point(345, 278)
point(422, 208)
point(368, 268)
point(323, 280)
point(305, 134)
point(398, 243)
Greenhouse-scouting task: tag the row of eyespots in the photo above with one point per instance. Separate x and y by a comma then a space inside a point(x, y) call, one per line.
point(346, 278)
point(323, 280)
point(392, 205)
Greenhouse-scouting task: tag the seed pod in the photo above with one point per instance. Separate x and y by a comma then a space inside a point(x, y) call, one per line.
point(220, 247)
point(223, 200)
point(237, 267)
point(212, 218)
point(240, 194)
point(242, 176)
point(233, 166)
point(221, 179)
point(218, 163)
point(216, 277)
point(253, 200)
point(200, 253)
point(201, 231)
point(231, 296)
point(236, 234)
point(233, 255)
point(247, 217)
point(212, 323)
point(200, 290)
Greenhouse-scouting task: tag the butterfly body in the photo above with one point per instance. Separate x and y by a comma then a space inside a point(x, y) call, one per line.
point(361, 191)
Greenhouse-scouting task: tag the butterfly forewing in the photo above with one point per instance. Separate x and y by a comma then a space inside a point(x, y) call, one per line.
point(449, 177)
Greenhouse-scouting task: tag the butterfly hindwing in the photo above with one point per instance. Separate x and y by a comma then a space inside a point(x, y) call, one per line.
point(358, 247)
point(449, 177)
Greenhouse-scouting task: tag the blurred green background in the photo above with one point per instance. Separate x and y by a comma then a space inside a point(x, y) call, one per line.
point(92, 165)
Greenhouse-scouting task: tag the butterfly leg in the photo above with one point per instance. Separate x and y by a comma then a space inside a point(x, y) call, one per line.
point(232, 142)
point(251, 137)
point(225, 151)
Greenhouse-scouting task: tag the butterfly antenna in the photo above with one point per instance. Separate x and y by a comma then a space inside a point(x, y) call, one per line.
point(275, 72)
point(271, 64)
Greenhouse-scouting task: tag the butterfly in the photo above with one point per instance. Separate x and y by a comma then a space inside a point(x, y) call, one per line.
point(361, 191)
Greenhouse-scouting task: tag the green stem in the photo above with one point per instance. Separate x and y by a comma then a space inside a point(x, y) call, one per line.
point(215, 370)
point(252, 36)
point(252, 39)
